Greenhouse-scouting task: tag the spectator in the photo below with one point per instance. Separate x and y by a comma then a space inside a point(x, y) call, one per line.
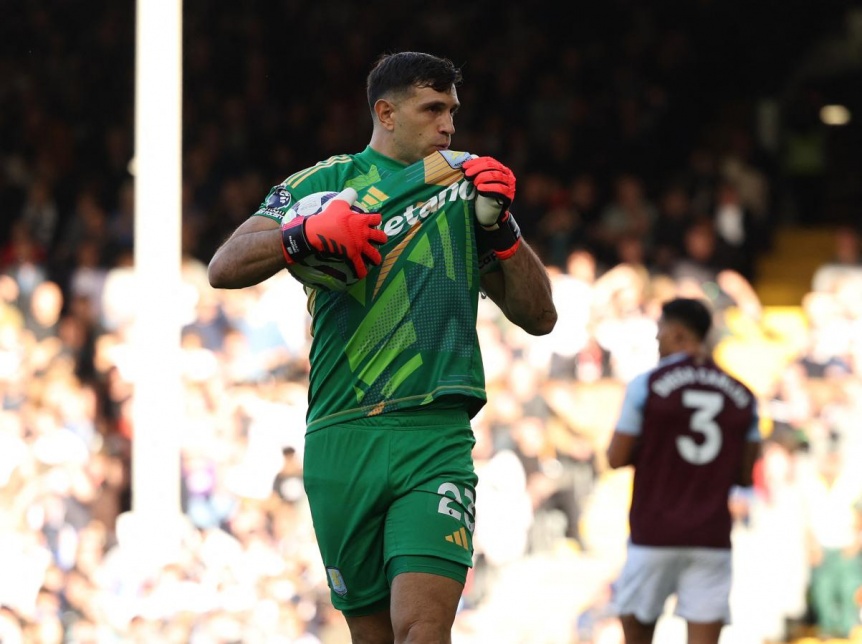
point(673, 218)
point(23, 260)
point(551, 491)
point(87, 224)
point(834, 513)
point(624, 327)
point(630, 213)
point(569, 220)
point(770, 592)
point(42, 316)
point(12, 626)
point(508, 514)
point(706, 266)
point(121, 220)
point(118, 293)
point(573, 293)
point(845, 265)
point(738, 229)
point(87, 279)
point(39, 214)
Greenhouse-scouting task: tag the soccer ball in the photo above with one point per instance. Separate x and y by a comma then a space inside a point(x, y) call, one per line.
point(327, 273)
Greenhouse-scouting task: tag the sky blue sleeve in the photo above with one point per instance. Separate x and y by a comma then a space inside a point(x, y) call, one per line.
point(631, 414)
point(753, 435)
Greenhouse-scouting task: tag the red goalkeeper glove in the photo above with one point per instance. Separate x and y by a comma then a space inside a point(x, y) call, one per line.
point(495, 185)
point(340, 230)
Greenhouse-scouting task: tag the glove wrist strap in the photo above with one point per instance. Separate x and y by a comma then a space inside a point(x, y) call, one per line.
point(505, 237)
point(294, 244)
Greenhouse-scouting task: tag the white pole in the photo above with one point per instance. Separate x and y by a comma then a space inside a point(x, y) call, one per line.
point(157, 409)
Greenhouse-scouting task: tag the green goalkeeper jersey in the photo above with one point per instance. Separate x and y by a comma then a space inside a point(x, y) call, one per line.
point(405, 336)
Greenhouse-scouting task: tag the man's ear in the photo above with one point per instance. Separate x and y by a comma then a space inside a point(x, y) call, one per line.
point(384, 111)
point(677, 332)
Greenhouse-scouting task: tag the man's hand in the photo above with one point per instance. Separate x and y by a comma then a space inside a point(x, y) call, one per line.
point(495, 184)
point(339, 230)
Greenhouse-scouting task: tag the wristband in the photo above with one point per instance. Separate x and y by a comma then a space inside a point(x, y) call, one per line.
point(505, 238)
point(294, 244)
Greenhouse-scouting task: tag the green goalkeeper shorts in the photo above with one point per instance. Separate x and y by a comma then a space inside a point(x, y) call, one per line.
point(401, 485)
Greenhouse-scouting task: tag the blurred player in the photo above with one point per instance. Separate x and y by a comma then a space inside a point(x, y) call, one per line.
point(691, 432)
point(396, 371)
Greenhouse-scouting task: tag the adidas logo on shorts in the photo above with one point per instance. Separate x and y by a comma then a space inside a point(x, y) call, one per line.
point(459, 537)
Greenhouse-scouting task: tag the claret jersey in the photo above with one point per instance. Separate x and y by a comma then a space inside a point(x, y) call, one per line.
point(693, 420)
point(404, 336)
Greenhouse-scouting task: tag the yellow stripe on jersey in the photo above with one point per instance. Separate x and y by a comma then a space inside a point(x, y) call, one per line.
point(438, 172)
point(298, 177)
point(373, 197)
point(390, 257)
point(379, 194)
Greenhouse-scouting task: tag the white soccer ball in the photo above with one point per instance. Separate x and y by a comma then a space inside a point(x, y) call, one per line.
point(315, 271)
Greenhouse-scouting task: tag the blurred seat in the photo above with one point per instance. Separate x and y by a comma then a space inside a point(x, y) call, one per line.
point(784, 273)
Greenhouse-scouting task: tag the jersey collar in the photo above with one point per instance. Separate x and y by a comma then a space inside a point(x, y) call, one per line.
point(679, 356)
point(383, 162)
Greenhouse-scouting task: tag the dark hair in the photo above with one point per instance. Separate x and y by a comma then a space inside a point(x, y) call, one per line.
point(403, 70)
point(693, 314)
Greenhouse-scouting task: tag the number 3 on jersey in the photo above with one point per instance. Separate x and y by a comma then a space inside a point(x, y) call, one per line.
point(705, 406)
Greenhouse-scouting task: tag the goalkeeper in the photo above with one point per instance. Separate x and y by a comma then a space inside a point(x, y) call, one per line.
point(396, 371)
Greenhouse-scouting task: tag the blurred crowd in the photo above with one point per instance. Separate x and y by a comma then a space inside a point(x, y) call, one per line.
point(638, 180)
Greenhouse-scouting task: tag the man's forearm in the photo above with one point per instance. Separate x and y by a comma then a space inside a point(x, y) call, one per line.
point(527, 299)
point(246, 259)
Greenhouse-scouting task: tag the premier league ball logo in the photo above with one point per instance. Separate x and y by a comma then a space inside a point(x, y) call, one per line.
point(278, 199)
